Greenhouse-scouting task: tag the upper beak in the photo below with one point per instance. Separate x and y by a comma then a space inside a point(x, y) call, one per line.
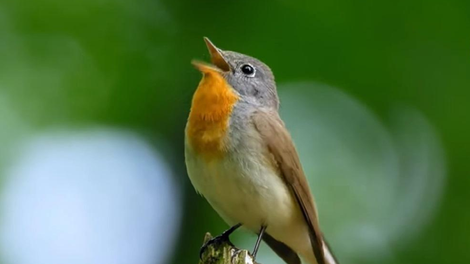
point(216, 56)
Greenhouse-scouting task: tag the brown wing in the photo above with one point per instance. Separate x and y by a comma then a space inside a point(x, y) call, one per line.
point(279, 143)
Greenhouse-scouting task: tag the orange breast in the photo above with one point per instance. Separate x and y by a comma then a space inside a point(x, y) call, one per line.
point(208, 120)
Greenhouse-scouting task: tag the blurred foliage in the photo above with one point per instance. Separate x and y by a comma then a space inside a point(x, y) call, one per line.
point(126, 63)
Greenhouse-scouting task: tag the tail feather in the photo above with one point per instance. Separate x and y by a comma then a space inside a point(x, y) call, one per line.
point(282, 250)
point(329, 256)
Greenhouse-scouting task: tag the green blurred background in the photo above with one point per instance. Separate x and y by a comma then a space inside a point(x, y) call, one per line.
point(374, 92)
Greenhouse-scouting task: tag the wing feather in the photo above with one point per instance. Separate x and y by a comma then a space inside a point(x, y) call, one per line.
point(279, 143)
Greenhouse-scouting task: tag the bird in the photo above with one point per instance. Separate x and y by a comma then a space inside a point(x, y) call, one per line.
point(241, 158)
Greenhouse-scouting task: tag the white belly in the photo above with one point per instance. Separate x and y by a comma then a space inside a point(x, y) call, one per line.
point(245, 189)
point(247, 193)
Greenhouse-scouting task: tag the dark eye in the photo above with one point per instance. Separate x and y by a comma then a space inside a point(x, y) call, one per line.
point(248, 70)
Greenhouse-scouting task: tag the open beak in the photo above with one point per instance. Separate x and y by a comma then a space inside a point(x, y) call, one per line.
point(218, 61)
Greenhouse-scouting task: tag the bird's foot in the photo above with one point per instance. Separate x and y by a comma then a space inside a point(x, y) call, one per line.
point(222, 238)
point(218, 240)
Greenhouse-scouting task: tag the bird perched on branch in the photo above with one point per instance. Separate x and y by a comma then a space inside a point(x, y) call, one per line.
point(241, 158)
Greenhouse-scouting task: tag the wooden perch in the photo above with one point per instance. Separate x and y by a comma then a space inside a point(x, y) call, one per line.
point(224, 253)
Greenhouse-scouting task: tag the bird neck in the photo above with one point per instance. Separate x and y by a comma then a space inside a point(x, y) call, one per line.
point(211, 108)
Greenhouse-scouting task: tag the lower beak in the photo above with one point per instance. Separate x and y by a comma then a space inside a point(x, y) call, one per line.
point(205, 67)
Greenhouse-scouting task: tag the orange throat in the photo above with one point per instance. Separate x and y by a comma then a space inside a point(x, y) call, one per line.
point(208, 120)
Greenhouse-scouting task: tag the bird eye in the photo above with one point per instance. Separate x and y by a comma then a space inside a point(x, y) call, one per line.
point(248, 70)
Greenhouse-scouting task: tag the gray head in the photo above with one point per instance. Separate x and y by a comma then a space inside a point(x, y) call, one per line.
point(251, 78)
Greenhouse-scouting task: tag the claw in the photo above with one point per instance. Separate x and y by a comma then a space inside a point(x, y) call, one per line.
point(223, 238)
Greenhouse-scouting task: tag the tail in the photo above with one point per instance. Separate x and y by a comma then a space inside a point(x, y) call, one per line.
point(329, 256)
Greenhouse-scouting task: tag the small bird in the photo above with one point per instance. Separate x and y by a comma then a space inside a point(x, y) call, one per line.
point(241, 158)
